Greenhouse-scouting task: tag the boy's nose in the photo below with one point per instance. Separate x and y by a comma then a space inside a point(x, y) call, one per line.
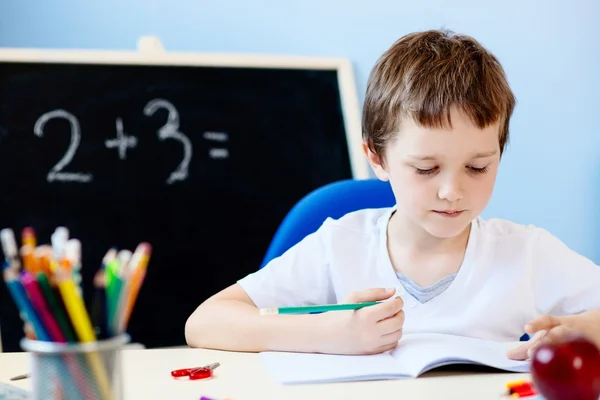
point(450, 191)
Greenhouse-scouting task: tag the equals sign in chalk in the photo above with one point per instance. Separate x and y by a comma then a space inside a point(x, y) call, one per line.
point(221, 137)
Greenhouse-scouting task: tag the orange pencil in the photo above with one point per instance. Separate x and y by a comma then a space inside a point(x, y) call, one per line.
point(30, 263)
point(44, 255)
point(137, 278)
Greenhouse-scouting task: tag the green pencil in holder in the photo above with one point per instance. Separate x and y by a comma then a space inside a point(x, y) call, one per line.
point(49, 361)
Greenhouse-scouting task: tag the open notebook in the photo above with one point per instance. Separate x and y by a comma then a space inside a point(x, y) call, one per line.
point(416, 354)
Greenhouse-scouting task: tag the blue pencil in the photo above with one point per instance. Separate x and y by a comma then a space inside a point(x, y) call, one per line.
point(15, 287)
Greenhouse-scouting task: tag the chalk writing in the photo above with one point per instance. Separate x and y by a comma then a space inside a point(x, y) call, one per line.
point(123, 142)
point(170, 130)
point(57, 173)
point(217, 137)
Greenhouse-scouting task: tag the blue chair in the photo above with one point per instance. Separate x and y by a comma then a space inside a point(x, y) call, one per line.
point(332, 200)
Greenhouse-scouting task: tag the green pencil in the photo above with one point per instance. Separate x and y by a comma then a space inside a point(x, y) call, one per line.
point(316, 309)
point(56, 307)
point(114, 282)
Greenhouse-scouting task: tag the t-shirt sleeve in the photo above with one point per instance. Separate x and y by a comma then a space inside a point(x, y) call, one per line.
point(564, 281)
point(300, 276)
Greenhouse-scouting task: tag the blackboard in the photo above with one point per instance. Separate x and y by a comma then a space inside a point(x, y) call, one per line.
point(201, 155)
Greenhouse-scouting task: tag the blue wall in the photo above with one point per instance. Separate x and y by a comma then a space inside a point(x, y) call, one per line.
point(551, 51)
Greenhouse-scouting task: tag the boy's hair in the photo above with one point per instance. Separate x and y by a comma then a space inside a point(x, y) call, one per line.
point(424, 74)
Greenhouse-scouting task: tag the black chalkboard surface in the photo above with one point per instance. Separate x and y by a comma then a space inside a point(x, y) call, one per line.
point(201, 156)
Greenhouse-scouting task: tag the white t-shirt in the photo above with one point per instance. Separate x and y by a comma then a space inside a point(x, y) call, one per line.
point(510, 274)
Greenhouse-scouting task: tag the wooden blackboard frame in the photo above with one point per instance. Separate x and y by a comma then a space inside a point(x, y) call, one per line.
point(151, 52)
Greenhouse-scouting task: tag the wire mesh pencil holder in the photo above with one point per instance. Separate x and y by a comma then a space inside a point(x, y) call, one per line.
point(82, 371)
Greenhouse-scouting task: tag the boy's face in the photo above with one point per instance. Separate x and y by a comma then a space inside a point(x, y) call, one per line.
point(442, 178)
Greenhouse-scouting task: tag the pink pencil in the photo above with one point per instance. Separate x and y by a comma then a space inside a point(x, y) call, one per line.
point(38, 302)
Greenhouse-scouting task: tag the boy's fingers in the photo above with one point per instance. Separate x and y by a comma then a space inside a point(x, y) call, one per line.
point(386, 309)
point(521, 352)
point(544, 322)
point(391, 324)
point(374, 294)
point(388, 347)
point(558, 334)
point(555, 335)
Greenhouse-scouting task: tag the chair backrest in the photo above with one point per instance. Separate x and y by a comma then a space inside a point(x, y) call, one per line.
point(332, 200)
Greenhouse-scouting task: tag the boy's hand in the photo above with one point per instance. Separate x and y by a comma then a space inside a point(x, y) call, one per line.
point(549, 329)
point(369, 330)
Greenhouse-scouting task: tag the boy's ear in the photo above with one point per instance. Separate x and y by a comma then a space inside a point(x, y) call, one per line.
point(376, 163)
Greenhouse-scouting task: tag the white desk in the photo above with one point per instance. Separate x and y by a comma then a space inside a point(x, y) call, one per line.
point(241, 376)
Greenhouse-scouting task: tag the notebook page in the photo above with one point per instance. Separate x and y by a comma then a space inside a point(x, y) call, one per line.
point(418, 353)
point(295, 368)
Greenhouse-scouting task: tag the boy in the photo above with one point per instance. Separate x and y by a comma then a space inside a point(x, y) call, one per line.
point(435, 124)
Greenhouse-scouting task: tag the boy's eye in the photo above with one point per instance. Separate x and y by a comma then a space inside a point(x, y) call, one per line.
point(427, 171)
point(476, 170)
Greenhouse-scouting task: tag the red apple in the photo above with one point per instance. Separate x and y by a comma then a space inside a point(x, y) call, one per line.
point(567, 370)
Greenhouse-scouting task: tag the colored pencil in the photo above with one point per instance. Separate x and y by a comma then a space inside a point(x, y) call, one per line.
point(56, 307)
point(44, 282)
point(83, 328)
point(137, 274)
point(316, 309)
point(28, 313)
point(34, 292)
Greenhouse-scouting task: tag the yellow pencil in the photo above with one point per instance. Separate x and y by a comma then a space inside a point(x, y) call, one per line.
point(83, 326)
